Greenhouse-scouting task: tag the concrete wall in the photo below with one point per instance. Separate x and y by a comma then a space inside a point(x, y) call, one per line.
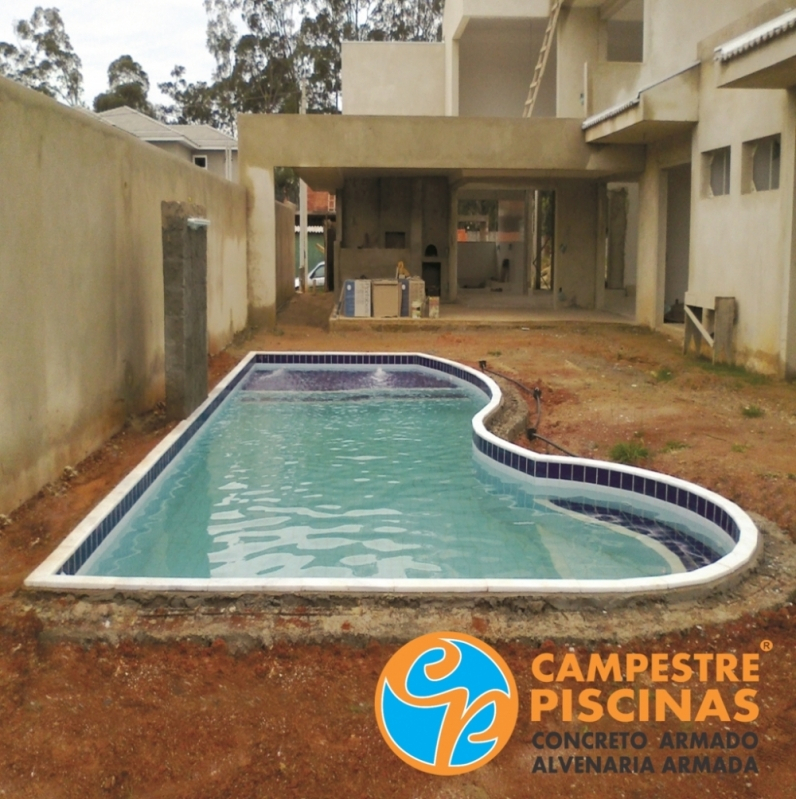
point(457, 18)
point(375, 210)
point(394, 78)
point(624, 40)
point(477, 263)
point(575, 279)
point(610, 84)
point(374, 264)
point(674, 28)
point(496, 63)
point(578, 40)
point(81, 281)
point(741, 241)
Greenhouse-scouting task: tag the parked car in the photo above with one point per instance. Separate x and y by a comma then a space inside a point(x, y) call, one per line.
point(316, 277)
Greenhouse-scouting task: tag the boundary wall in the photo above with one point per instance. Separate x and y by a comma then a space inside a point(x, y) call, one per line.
point(81, 281)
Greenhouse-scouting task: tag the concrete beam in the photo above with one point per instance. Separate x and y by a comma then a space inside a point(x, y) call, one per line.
point(435, 145)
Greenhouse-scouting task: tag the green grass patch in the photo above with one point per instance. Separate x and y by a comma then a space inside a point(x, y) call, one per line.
point(664, 375)
point(629, 452)
point(674, 446)
point(495, 353)
point(739, 448)
point(736, 372)
point(752, 411)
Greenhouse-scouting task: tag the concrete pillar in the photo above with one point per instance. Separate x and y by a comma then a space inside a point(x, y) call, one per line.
point(185, 306)
point(452, 78)
point(528, 238)
point(339, 206)
point(261, 242)
point(617, 226)
point(601, 253)
point(578, 43)
point(575, 269)
point(651, 246)
point(453, 247)
point(416, 229)
point(788, 188)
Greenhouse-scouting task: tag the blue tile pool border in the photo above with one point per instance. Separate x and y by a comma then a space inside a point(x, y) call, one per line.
point(70, 556)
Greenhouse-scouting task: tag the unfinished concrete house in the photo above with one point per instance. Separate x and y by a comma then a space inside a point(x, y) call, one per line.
point(632, 156)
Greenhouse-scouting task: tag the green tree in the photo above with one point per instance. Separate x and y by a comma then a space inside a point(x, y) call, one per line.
point(128, 85)
point(408, 20)
point(194, 103)
point(256, 71)
point(43, 58)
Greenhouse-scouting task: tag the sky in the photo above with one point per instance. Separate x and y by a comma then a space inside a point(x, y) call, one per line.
point(156, 33)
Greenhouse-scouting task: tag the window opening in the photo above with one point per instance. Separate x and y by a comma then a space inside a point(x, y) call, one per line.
point(720, 172)
point(765, 164)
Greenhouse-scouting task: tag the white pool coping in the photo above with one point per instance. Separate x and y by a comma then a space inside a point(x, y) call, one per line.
point(743, 554)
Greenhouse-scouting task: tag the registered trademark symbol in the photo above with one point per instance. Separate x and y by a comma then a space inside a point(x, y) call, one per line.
point(766, 645)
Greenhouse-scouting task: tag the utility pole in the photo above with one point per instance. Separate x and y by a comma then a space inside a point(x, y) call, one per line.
point(303, 264)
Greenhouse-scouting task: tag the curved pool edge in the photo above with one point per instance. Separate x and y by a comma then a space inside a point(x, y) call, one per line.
point(721, 512)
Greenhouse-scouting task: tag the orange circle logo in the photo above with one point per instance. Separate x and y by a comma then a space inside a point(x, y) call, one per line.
point(446, 703)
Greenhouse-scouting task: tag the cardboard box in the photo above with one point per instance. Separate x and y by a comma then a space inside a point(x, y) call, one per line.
point(386, 299)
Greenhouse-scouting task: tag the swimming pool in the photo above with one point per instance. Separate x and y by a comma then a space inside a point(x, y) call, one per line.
point(374, 472)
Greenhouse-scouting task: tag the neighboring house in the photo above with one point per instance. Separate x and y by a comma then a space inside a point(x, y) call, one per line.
point(207, 147)
point(320, 218)
point(656, 172)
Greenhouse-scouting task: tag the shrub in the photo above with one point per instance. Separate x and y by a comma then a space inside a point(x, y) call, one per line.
point(628, 452)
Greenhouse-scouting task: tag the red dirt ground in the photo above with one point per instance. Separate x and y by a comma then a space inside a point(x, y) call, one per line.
point(192, 720)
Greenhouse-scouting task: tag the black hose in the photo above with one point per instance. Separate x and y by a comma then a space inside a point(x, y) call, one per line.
point(533, 434)
point(536, 393)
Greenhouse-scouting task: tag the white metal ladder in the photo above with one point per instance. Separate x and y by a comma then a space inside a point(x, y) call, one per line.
point(544, 53)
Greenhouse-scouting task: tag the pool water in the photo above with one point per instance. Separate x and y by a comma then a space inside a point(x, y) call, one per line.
point(371, 473)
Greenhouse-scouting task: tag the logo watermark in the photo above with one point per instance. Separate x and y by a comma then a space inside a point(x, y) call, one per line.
point(446, 703)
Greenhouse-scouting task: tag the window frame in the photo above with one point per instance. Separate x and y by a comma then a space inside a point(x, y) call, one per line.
point(773, 164)
point(709, 163)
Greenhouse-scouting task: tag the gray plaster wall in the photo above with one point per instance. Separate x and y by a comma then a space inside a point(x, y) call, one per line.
point(393, 78)
point(477, 263)
point(674, 28)
point(497, 58)
point(81, 283)
point(377, 210)
point(285, 252)
point(575, 278)
point(578, 39)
